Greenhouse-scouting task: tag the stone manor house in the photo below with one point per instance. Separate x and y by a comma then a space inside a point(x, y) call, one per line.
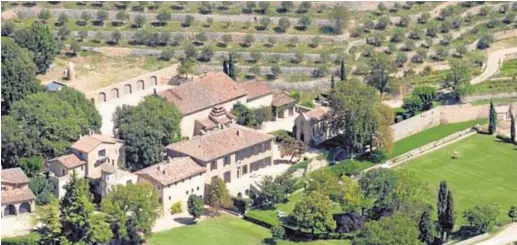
point(214, 147)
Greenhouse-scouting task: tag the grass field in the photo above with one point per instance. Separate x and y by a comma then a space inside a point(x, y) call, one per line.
point(412, 142)
point(496, 101)
point(509, 68)
point(484, 173)
point(225, 229)
point(495, 86)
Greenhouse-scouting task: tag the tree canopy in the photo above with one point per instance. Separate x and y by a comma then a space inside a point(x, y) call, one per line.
point(146, 129)
point(139, 200)
point(39, 40)
point(395, 230)
point(314, 213)
point(46, 124)
point(18, 74)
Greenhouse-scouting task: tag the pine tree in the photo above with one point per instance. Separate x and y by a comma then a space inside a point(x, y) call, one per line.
point(225, 67)
point(449, 215)
point(492, 119)
point(343, 72)
point(332, 83)
point(425, 228)
point(512, 124)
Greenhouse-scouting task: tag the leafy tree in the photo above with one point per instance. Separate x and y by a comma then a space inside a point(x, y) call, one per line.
point(163, 17)
point(304, 7)
point(395, 230)
point(512, 213)
point(276, 70)
point(85, 17)
point(315, 41)
point(190, 52)
point(427, 95)
point(283, 24)
point(63, 32)
point(292, 147)
point(43, 189)
point(401, 59)
point(122, 16)
point(206, 8)
point(231, 68)
point(278, 232)
point(78, 220)
point(18, 74)
point(285, 6)
point(218, 195)
point(339, 18)
point(39, 40)
point(83, 35)
point(49, 216)
point(167, 54)
point(115, 37)
point(482, 217)
point(255, 70)
point(445, 208)
point(137, 203)
point(323, 181)
point(206, 53)
point(263, 7)
point(32, 166)
point(102, 15)
point(351, 198)
point(195, 206)
point(44, 15)
point(314, 213)
point(485, 41)
point(304, 22)
point(425, 228)
point(146, 129)
point(380, 185)
point(248, 40)
point(412, 104)
point(379, 77)
point(458, 78)
point(202, 37)
point(8, 28)
point(62, 19)
point(75, 48)
point(139, 20)
point(189, 20)
point(249, 7)
point(46, 124)
point(357, 122)
point(492, 119)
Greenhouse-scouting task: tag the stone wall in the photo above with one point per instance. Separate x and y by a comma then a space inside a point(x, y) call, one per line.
point(442, 115)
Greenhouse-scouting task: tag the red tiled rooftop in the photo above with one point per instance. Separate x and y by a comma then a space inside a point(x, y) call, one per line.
point(172, 170)
point(17, 195)
point(69, 161)
point(281, 98)
point(205, 92)
point(256, 90)
point(14, 175)
point(88, 143)
point(217, 144)
point(317, 113)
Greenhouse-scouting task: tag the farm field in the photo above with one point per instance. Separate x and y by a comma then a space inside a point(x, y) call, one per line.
point(484, 173)
point(230, 229)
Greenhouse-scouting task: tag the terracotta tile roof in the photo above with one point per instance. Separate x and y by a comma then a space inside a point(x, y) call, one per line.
point(220, 143)
point(280, 98)
point(172, 170)
point(256, 90)
point(88, 143)
point(317, 113)
point(14, 175)
point(69, 161)
point(17, 195)
point(205, 92)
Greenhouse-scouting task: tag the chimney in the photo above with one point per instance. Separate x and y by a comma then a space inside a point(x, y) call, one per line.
point(238, 132)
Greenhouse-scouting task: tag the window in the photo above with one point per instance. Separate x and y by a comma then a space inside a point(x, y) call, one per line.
point(226, 160)
point(192, 190)
point(213, 165)
point(169, 198)
point(198, 188)
point(244, 170)
point(160, 200)
point(129, 182)
point(102, 153)
point(187, 192)
point(227, 177)
point(63, 171)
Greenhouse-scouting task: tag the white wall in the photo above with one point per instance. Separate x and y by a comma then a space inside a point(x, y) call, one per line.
point(260, 102)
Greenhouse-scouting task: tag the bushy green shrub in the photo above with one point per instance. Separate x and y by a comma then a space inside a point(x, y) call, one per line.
point(347, 167)
point(31, 239)
point(176, 208)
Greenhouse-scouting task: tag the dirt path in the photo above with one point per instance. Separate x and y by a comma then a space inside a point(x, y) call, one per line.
point(506, 236)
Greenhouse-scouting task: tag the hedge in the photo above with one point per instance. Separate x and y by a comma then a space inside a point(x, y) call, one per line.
point(31, 239)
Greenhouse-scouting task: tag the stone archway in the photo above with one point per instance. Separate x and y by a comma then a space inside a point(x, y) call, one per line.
point(140, 85)
point(114, 93)
point(10, 210)
point(154, 81)
point(102, 97)
point(25, 208)
point(127, 89)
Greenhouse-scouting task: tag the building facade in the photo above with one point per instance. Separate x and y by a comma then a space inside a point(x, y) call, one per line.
point(312, 127)
point(229, 154)
point(61, 169)
point(17, 198)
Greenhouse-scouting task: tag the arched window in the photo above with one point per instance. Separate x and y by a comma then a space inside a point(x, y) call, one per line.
point(25, 208)
point(9, 210)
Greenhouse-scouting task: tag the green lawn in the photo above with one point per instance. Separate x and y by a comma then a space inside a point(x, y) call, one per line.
point(495, 86)
point(484, 173)
point(226, 229)
point(414, 141)
point(509, 68)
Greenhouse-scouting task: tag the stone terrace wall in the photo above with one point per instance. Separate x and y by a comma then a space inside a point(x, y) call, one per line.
point(442, 115)
point(416, 124)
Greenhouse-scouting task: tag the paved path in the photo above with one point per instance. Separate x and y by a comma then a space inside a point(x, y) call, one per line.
point(494, 62)
point(504, 237)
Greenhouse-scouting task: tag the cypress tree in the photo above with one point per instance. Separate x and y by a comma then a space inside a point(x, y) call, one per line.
point(492, 119)
point(231, 68)
point(449, 215)
point(332, 84)
point(343, 72)
point(225, 67)
point(512, 124)
point(441, 207)
point(425, 228)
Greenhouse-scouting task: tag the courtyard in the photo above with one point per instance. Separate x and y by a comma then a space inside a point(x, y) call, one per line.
point(484, 173)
